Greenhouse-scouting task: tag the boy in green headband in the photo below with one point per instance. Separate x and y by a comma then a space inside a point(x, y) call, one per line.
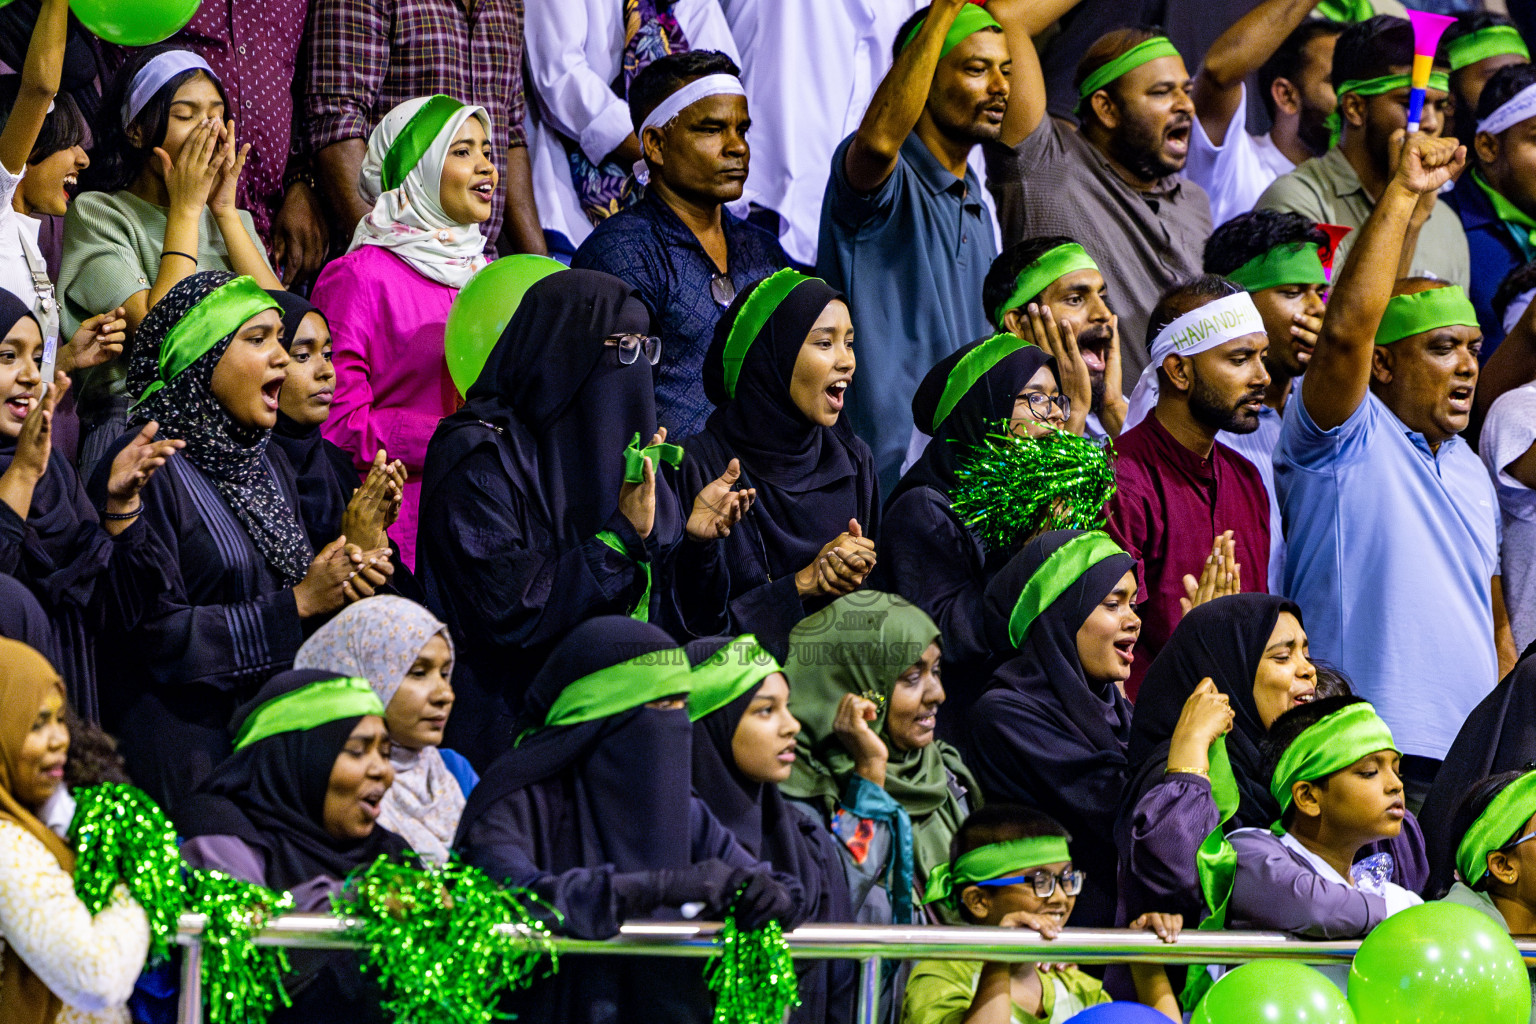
point(1336, 781)
point(1372, 62)
point(1002, 860)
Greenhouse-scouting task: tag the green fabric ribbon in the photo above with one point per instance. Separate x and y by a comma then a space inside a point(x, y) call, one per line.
point(1142, 53)
point(1498, 825)
point(971, 368)
point(1494, 41)
point(737, 667)
point(1033, 279)
point(1288, 263)
point(1438, 80)
point(416, 138)
point(1216, 865)
point(622, 687)
point(972, 18)
point(216, 317)
point(766, 296)
point(329, 700)
point(1345, 11)
point(1429, 310)
point(1064, 567)
point(995, 860)
point(1329, 745)
point(642, 609)
point(635, 456)
point(1516, 221)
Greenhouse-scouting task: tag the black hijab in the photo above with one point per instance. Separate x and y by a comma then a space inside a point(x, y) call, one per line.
point(735, 799)
point(1224, 640)
point(803, 472)
point(564, 405)
point(23, 619)
point(630, 790)
point(271, 795)
point(976, 414)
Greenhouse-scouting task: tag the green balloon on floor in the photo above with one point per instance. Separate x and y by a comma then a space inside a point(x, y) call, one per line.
point(134, 22)
point(1274, 992)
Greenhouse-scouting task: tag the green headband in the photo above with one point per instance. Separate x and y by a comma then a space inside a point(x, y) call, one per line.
point(995, 860)
point(416, 138)
point(754, 313)
point(1065, 567)
point(1438, 80)
point(737, 667)
point(1494, 41)
point(1290, 263)
point(1428, 310)
point(1331, 744)
point(215, 317)
point(622, 687)
point(971, 368)
point(1142, 53)
point(1496, 827)
point(327, 701)
point(972, 18)
point(1033, 279)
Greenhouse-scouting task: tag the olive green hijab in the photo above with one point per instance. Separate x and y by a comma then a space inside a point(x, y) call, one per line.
point(861, 644)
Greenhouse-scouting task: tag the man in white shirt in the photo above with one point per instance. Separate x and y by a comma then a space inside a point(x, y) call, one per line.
point(1233, 166)
point(576, 51)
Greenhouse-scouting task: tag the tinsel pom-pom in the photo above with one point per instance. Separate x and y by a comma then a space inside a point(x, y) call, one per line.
point(1013, 487)
point(121, 836)
point(753, 976)
point(430, 935)
point(242, 982)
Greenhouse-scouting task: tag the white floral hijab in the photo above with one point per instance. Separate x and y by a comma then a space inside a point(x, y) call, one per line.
point(407, 217)
point(379, 639)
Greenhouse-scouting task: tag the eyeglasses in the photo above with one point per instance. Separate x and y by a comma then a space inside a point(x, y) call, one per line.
point(631, 345)
point(1044, 882)
point(1040, 404)
point(723, 289)
point(1523, 839)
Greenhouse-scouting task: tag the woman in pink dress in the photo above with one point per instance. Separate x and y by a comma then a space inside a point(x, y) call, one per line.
point(430, 168)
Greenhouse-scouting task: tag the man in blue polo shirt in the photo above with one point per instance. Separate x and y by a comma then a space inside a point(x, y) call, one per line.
point(1391, 521)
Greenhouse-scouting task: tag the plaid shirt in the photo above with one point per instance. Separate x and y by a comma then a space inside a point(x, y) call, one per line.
point(367, 56)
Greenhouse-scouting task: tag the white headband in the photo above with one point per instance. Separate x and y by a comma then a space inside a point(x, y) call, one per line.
point(698, 89)
point(155, 73)
point(1519, 107)
point(1199, 330)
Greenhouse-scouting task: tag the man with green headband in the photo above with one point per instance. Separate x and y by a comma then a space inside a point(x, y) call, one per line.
point(1115, 185)
point(1476, 47)
point(1336, 782)
point(1496, 200)
point(1496, 858)
point(1371, 66)
point(1010, 868)
point(1391, 521)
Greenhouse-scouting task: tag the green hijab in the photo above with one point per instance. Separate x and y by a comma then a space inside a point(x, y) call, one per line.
point(862, 643)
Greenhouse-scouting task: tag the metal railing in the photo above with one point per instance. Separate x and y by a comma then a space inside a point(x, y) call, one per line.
point(870, 945)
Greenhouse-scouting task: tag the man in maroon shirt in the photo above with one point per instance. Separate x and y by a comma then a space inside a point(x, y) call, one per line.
point(1178, 490)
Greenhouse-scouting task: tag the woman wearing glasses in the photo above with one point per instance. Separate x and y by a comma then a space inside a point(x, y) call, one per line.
point(779, 372)
point(931, 557)
point(540, 508)
point(431, 174)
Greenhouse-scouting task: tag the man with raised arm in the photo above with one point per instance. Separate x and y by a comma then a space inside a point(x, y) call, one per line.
point(1391, 520)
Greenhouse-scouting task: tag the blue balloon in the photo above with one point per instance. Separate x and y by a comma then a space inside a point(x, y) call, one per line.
point(1119, 1013)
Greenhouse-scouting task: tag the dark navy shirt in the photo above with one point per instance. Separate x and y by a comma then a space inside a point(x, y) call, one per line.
point(648, 246)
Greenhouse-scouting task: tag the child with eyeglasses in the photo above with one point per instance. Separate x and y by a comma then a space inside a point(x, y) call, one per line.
point(1496, 860)
point(1010, 867)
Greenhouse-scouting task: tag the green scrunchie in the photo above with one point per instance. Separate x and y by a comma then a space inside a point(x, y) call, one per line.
point(635, 456)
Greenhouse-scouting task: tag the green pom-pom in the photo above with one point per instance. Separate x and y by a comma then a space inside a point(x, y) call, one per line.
point(242, 982)
point(431, 936)
point(753, 976)
point(1013, 487)
point(121, 836)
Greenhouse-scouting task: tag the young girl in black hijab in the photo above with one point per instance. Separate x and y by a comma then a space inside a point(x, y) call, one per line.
point(294, 809)
point(778, 374)
point(239, 581)
point(535, 515)
point(743, 748)
point(929, 556)
point(593, 810)
point(1051, 731)
point(83, 571)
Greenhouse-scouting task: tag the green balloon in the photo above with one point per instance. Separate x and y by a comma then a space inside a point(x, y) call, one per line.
point(1439, 963)
point(134, 22)
point(1273, 992)
point(482, 310)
